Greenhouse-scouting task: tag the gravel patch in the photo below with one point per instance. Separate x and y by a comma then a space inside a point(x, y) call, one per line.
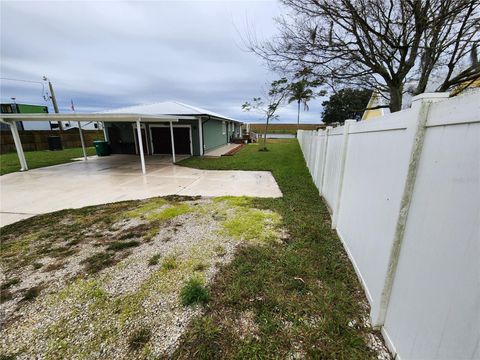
point(79, 315)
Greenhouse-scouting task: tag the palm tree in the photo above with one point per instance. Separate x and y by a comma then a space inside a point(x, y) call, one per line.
point(302, 94)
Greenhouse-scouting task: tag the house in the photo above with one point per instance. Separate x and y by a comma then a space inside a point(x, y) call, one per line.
point(196, 131)
point(161, 128)
point(13, 108)
point(375, 100)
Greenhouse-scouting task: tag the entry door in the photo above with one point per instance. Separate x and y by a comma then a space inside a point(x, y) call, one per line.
point(162, 143)
point(114, 139)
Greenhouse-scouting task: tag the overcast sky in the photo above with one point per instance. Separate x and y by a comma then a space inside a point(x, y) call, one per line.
point(104, 54)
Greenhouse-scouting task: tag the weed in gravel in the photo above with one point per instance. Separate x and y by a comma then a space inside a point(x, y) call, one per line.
point(57, 252)
point(9, 283)
point(73, 242)
point(37, 265)
point(154, 260)
point(170, 212)
point(127, 235)
point(253, 225)
point(139, 338)
point(169, 263)
point(220, 250)
point(150, 234)
point(234, 200)
point(122, 245)
point(7, 357)
point(194, 293)
point(5, 295)
point(31, 293)
point(199, 266)
point(145, 207)
point(54, 266)
point(98, 261)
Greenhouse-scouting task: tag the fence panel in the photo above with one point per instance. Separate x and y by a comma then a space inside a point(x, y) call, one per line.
point(411, 182)
point(434, 310)
point(34, 140)
point(375, 171)
point(332, 167)
point(318, 169)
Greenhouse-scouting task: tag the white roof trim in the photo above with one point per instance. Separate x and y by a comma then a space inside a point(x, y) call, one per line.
point(93, 117)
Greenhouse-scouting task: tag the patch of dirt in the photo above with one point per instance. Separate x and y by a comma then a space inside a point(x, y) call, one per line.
point(93, 314)
point(246, 327)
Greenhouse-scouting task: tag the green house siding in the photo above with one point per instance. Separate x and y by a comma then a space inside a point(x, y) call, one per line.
point(195, 139)
point(31, 109)
point(213, 134)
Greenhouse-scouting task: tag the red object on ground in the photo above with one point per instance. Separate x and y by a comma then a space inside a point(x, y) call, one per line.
point(234, 150)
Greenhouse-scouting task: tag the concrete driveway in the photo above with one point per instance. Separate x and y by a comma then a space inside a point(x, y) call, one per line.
point(116, 178)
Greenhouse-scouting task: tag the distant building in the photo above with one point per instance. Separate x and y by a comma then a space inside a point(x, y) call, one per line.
point(14, 108)
point(373, 111)
point(26, 109)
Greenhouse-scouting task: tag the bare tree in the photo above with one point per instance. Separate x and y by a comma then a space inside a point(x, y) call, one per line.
point(274, 98)
point(380, 44)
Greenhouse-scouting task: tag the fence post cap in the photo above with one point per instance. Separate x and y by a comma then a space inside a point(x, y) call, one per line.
point(431, 97)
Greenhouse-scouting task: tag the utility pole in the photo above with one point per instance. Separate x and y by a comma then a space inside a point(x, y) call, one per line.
point(54, 101)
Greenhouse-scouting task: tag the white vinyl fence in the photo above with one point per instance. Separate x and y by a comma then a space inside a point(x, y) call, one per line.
point(404, 194)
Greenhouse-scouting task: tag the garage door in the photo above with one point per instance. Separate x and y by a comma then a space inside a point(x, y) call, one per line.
point(162, 141)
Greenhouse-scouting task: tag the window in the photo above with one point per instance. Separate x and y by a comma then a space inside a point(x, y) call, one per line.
point(224, 128)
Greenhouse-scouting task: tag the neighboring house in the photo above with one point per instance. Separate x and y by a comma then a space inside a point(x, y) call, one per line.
point(13, 108)
point(26, 109)
point(197, 126)
point(375, 100)
point(467, 87)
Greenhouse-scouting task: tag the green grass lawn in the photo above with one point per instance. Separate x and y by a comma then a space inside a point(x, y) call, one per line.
point(35, 159)
point(298, 299)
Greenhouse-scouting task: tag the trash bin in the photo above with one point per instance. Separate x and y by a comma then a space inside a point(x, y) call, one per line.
point(101, 147)
point(54, 143)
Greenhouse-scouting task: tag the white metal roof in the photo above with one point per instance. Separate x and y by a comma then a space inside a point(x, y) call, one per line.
point(168, 108)
point(113, 117)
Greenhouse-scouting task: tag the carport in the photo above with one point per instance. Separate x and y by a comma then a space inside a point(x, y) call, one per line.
point(137, 119)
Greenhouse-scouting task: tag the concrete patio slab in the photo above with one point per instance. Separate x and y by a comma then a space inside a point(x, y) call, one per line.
point(221, 150)
point(116, 178)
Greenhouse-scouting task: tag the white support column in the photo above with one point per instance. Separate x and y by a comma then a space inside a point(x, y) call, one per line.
point(105, 135)
point(420, 105)
point(140, 146)
point(343, 161)
point(18, 146)
point(173, 142)
point(325, 159)
point(200, 135)
point(82, 141)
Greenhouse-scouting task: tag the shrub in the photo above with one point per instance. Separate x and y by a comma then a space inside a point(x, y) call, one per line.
point(194, 293)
